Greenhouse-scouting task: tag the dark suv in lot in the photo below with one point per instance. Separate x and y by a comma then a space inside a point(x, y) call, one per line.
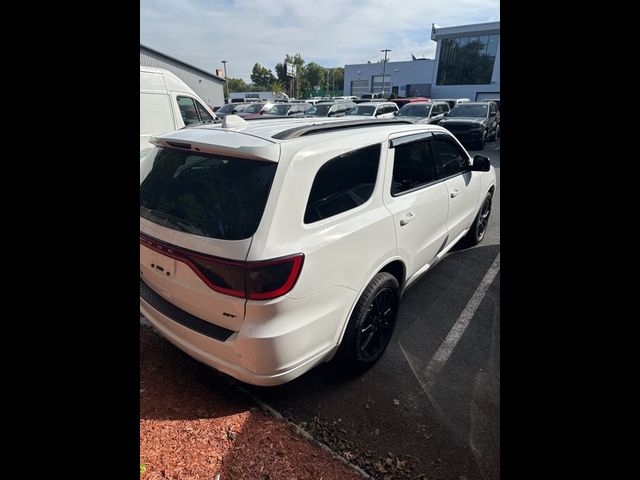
point(473, 123)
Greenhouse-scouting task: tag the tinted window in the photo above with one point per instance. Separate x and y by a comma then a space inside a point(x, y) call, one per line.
point(414, 110)
point(467, 110)
point(366, 110)
point(208, 195)
point(413, 166)
point(188, 110)
point(204, 115)
point(228, 108)
point(467, 60)
point(343, 183)
point(451, 159)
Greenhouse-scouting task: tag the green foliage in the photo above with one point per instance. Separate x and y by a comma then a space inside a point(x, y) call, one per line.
point(237, 85)
point(277, 87)
point(143, 468)
point(262, 77)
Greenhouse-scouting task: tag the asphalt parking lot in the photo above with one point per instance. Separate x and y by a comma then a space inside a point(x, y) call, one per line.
point(430, 408)
point(429, 402)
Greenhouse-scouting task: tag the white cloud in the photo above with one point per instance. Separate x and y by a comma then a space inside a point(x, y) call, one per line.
point(329, 32)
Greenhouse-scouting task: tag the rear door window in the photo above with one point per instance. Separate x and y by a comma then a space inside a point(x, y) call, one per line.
point(413, 167)
point(208, 195)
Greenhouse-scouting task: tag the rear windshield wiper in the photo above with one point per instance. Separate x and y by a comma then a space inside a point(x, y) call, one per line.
point(172, 220)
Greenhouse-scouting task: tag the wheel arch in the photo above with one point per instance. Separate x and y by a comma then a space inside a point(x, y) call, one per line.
point(395, 266)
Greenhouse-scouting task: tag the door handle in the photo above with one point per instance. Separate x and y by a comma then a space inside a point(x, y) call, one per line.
point(407, 218)
point(454, 192)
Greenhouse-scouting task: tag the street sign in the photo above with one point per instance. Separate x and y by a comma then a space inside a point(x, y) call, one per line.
point(291, 69)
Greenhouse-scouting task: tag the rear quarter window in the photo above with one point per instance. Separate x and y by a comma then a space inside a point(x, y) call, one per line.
point(343, 183)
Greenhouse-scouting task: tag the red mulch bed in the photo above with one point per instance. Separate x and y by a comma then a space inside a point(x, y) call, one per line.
point(194, 425)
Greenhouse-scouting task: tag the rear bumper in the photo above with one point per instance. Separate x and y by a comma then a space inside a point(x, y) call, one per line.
point(277, 342)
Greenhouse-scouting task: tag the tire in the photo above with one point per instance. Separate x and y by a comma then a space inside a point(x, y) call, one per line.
point(371, 325)
point(479, 226)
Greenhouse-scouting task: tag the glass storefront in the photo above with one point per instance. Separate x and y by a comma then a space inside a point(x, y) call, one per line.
point(467, 60)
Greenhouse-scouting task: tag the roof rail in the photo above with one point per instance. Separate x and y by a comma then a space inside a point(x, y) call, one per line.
point(296, 132)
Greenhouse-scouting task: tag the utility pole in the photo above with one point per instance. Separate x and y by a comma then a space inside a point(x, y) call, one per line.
point(333, 82)
point(384, 68)
point(226, 82)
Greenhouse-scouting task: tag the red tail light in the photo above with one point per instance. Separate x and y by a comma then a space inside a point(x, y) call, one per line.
point(262, 280)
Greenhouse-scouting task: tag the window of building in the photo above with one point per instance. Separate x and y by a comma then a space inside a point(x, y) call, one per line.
point(467, 60)
point(343, 183)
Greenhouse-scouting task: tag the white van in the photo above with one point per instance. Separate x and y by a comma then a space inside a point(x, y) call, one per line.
point(167, 104)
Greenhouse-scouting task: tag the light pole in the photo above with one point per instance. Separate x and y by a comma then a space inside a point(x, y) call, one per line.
point(384, 68)
point(226, 82)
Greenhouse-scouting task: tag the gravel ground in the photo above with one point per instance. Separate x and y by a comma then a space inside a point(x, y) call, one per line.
point(196, 425)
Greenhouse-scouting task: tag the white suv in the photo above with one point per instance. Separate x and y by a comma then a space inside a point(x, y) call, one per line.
point(374, 110)
point(267, 247)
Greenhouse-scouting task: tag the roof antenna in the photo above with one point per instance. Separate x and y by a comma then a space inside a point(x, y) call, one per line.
point(232, 121)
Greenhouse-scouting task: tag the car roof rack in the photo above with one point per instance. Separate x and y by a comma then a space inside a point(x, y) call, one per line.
point(296, 132)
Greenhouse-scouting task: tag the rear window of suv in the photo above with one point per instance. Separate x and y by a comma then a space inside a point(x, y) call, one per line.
point(208, 195)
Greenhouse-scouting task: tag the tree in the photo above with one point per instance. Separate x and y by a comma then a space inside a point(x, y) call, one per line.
point(262, 76)
point(301, 81)
point(237, 85)
point(314, 74)
point(277, 87)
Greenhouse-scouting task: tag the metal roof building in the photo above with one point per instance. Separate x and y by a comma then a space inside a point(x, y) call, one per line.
point(207, 85)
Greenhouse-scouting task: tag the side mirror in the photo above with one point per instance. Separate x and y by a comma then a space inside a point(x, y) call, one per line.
point(446, 114)
point(395, 114)
point(481, 163)
point(492, 114)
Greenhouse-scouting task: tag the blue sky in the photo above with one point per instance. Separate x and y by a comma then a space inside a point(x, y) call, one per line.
point(329, 32)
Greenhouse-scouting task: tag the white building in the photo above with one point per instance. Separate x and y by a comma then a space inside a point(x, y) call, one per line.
point(467, 65)
point(208, 86)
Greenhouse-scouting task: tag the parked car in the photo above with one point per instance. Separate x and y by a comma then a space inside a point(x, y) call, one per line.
point(401, 102)
point(424, 112)
point(372, 96)
point(231, 109)
point(167, 104)
point(329, 109)
point(289, 109)
point(374, 109)
point(256, 109)
point(473, 123)
point(268, 249)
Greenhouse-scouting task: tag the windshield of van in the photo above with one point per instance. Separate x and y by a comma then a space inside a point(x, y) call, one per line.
point(208, 195)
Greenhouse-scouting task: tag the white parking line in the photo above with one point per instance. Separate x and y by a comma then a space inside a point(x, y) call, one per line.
point(450, 342)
